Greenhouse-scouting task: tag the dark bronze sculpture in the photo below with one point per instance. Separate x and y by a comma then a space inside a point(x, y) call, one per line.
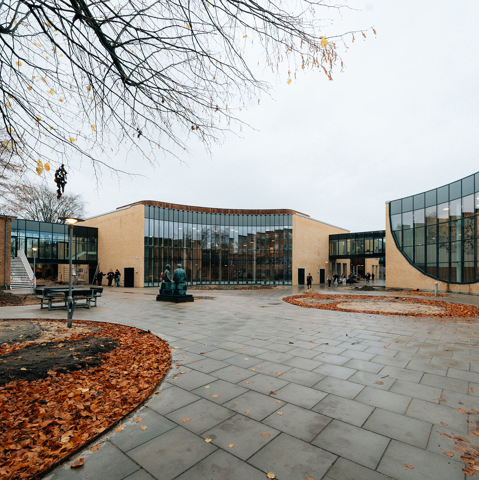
point(174, 291)
point(167, 274)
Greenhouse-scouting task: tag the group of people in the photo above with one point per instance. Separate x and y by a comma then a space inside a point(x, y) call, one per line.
point(110, 276)
point(337, 279)
point(369, 277)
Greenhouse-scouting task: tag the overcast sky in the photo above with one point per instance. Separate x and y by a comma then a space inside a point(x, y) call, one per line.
point(403, 117)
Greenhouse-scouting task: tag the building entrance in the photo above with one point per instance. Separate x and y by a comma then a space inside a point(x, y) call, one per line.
point(300, 276)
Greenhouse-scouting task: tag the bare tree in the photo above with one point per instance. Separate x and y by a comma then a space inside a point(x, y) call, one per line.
point(10, 167)
point(94, 76)
point(39, 202)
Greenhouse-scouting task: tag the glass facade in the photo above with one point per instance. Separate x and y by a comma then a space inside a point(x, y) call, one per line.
point(437, 231)
point(51, 239)
point(361, 244)
point(218, 248)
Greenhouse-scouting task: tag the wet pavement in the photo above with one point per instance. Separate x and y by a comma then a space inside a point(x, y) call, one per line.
point(295, 391)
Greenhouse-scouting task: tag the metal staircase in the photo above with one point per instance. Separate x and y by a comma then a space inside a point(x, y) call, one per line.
point(21, 274)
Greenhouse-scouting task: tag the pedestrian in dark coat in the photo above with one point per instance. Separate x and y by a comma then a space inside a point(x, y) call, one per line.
point(309, 280)
point(117, 278)
point(99, 277)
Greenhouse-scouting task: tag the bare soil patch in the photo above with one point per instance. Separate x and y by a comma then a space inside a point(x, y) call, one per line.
point(9, 299)
point(36, 360)
point(59, 402)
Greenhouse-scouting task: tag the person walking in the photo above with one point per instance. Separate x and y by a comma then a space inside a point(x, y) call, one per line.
point(110, 276)
point(309, 280)
point(99, 277)
point(372, 277)
point(117, 278)
point(329, 280)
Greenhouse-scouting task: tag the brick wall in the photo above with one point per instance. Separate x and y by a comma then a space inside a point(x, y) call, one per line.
point(5, 225)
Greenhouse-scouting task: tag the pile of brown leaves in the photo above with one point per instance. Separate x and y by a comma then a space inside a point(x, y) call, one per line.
point(415, 294)
point(43, 421)
point(451, 310)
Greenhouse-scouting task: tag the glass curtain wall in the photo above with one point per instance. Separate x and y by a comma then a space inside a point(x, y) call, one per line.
point(437, 231)
point(361, 244)
point(218, 248)
point(51, 239)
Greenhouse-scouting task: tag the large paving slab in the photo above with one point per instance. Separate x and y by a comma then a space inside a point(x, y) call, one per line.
point(337, 423)
point(293, 459)
point(353, 443)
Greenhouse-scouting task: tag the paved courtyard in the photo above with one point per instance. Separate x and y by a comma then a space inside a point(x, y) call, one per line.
point(295, 391)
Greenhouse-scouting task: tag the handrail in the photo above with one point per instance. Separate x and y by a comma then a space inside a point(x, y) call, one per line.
point(28, 269)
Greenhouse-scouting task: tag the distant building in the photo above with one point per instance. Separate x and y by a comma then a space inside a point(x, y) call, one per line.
point(214, 245)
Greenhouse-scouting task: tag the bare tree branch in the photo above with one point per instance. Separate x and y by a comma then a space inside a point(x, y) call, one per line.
point(93, 77)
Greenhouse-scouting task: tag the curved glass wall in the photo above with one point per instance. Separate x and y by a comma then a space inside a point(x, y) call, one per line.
point(218, 248)
point(437, 231)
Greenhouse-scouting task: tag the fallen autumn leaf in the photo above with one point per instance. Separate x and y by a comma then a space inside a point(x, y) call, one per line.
point(78, 463)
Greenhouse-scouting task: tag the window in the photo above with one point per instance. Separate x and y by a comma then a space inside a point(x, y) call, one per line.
point(438, 230)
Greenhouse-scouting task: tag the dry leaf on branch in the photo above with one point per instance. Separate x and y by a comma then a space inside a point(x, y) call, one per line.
point(78, 463)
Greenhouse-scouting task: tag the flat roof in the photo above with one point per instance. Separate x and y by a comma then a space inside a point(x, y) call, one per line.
point(227, 211)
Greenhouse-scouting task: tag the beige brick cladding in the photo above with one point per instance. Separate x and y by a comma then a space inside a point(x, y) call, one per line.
point(121, 241)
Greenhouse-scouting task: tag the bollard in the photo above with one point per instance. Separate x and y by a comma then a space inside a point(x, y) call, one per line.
point(435, 289)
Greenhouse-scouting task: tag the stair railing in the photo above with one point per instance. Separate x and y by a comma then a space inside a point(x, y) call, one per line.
point(26, 265)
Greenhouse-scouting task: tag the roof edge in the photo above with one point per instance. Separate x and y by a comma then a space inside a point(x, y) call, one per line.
point(227, 211)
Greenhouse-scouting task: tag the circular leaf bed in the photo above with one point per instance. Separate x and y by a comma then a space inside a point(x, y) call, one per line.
point(387, 305)
point(61, 391)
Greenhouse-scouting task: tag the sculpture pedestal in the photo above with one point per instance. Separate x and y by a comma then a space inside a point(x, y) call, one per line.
point(175, 298)
point(171, 292)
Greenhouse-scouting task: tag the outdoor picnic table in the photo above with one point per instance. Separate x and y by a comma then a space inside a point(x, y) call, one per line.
point(59, 295)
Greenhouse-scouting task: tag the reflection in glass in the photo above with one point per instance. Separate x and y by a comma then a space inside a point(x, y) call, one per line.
point(447, 248)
